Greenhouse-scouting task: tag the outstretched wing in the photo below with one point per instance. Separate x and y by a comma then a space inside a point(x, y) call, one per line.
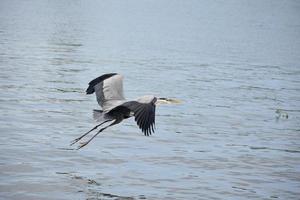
point(144, 115)
point(108, 89)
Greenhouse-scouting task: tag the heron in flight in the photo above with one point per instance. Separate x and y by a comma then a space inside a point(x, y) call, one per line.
point(109, 93)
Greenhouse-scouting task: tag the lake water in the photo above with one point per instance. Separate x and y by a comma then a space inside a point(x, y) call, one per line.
point(234, 64)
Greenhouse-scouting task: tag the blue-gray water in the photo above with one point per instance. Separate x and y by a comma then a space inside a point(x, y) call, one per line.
point(233, 63)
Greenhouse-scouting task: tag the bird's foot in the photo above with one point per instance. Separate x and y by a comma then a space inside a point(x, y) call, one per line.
point(82, 144)
point(74, 141)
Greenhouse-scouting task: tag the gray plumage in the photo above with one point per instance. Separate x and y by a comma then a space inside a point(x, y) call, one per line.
point(109, 94)
point(108, 89)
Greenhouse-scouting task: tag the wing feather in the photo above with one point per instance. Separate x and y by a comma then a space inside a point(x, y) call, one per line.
point(144, 114)
point(108, 89)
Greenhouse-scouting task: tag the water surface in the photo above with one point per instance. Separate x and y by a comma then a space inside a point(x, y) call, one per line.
point(233, 63)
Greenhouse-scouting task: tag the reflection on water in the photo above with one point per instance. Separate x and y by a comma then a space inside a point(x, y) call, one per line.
point(235, 136)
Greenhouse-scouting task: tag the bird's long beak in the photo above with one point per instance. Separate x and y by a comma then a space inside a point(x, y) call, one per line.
point(163, 100)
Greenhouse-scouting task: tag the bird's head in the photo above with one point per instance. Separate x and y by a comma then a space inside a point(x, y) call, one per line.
point(163, 100)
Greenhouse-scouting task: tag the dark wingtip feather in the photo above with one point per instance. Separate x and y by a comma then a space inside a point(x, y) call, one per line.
point(90, 89)
point(144, 115)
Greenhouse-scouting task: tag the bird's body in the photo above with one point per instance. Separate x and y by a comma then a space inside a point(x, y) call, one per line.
point(110, 96)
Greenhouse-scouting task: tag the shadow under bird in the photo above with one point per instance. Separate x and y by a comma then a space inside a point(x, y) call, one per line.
point(109, 93)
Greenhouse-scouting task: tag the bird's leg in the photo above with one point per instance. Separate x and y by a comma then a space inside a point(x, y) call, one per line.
point(79, 138)
point(102, 129)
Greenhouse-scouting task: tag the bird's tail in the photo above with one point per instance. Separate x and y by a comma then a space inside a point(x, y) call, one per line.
point(100, 116)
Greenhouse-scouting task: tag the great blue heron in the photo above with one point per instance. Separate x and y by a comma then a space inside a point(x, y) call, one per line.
point(115, 108)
